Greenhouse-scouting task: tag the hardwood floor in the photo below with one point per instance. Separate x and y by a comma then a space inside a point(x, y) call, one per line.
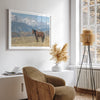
point(81, 96)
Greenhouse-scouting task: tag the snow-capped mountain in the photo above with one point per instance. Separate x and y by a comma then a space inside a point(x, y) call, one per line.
point(27, 21)
point(26, 24)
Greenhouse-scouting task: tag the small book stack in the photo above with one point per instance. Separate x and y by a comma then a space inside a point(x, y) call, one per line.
point(12, 73)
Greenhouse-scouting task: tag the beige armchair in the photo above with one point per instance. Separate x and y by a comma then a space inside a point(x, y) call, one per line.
point(44, 87)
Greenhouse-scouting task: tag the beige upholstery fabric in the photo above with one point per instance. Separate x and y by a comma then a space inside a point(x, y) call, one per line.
point(56, 81)
point(64, 93)
point(45, 87)
point(34, 74)
point(98, 94)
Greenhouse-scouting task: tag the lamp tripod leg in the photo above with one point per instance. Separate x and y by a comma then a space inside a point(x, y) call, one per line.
point(91, 73)
point(94, 88)
point(80, 67)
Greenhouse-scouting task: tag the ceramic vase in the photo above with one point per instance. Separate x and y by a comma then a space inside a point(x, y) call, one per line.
point(56, 68)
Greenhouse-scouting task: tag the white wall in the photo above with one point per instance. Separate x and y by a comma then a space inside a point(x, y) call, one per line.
point(58, 9)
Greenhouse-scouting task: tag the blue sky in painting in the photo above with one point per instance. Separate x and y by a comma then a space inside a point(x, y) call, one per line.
point(26, 22)
point(35, 17)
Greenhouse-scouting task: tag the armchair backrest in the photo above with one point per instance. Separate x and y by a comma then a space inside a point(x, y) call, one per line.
point(34, 74)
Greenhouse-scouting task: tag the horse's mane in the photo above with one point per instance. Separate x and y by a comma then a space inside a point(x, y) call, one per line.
point(34, 30)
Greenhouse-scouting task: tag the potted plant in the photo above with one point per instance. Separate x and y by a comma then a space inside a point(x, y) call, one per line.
point(58, 55)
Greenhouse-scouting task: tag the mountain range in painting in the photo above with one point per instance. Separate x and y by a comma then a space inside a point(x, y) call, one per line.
point(22, 23)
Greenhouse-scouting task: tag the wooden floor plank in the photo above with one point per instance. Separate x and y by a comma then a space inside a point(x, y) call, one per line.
point(82, 96)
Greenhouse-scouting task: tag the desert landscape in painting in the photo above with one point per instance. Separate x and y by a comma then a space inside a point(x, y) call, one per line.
point(29, 41)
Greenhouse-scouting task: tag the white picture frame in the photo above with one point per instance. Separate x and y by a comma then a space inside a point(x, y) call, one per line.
point(20, 27)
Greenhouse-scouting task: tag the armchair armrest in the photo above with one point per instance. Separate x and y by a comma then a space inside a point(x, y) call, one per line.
point(56, 81)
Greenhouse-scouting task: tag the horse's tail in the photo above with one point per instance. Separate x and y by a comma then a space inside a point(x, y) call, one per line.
point(43, 38)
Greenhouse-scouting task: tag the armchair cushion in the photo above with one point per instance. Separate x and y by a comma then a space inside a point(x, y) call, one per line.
point(55, 80)
point(64, 93)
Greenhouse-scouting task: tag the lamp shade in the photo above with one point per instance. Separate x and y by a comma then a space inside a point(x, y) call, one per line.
point(87, 37)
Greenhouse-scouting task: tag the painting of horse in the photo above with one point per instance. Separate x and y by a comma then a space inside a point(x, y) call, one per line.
point(38, 34)
point(28, 30)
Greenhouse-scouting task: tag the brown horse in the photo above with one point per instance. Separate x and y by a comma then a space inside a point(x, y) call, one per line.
point(38, 34)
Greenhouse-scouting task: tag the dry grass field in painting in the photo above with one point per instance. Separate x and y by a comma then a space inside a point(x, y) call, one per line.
point(29, 41)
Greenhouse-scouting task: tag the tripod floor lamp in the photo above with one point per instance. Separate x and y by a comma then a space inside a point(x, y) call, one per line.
point(87, 38)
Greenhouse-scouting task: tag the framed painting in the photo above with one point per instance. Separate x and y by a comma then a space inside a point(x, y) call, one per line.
point(29, 30)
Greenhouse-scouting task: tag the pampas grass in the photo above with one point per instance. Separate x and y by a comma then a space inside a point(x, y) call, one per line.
point(59, 54)
point(87, 37)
